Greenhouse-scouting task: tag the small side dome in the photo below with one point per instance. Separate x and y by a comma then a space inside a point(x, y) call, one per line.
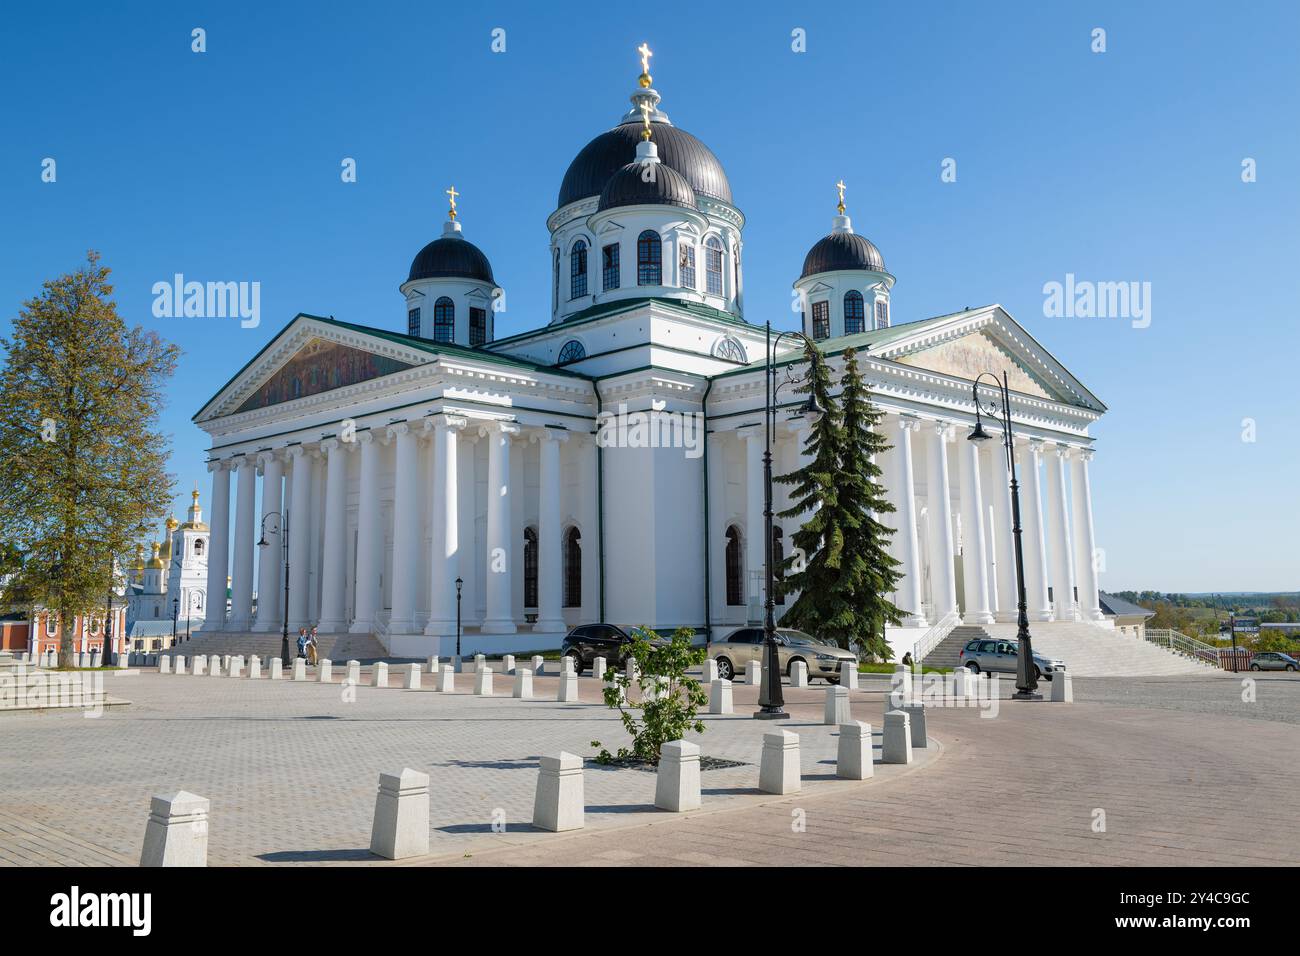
point(843, 252)
point(639, 184)
point(451, 257)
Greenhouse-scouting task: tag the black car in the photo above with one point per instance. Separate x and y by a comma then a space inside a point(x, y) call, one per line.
point(588, 641)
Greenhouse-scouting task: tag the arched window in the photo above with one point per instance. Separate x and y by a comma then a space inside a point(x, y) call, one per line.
point(687, 265)
point(649, 258)
point(778, 560)
point(821, 320)
point(713, 265)
point(198, 548)
point(444, 320)
point(573, 568)
point(530, 567)
point(855, 313)
point(735, 569)
point(578, 270)
point(571, 352)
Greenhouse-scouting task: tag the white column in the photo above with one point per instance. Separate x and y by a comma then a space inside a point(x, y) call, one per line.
point(718, 514)
point(755, 547)
point(974, 553)
point(269, 572)
point(550, 558)
point(943, 585)
point(214, 617)
point(1002, 541)
point(1085, 542)
point(241, 588)
point(500, 542)
point(444, 554)
point(905, 545)
point(299, 537)
point(1032, 540)
point(408, 523)
point(370, 559)
point(1059, 550)
point(333, 589)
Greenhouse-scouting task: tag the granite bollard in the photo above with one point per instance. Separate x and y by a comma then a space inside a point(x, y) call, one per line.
point(401, 822)
point(720, 697)
point(836, 710)
point(778, 771)
point(236, 666)
point(180, 664)
point(710, 671)
point(177, 831)
point(568, 692)
point(798, 674)
point(916, 721)
point(214, 666)
point(568, 664)
point(353, 673)
point(483, 682)
point(598, 668)
point(480, 661)
point(300, 668)
point(523, 689)
point(853, 759)
point(200, 665)
point(753, 673)
point(508, 664)
point(447, 680)
point(432, 664)
point(849, 674)
point(559, 803)
point(412, 676)
point(538, 663)
point(1062, 688)
point(896, 745)
point(324, 671)
point(277, 669)
point(677, 783)
point(254, 667)
point(165, 664)
point(379, 675)
point(961, 682)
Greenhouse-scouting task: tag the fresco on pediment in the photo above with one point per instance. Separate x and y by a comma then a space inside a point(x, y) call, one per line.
point(320, 366)
point(970, 355)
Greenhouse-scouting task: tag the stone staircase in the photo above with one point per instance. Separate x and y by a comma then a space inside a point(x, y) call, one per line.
point(335, 647)
point(945, 654)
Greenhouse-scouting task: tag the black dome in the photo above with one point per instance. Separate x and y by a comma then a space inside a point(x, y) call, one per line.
point(843, 251)
point(612, 150)
point(451, 257)
point(628, 187)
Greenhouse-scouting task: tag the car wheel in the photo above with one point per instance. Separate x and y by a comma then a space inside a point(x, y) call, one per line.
point(1290, 667)
point(832, 680)
point(973, 667)
point(725, 669)
point(789, 668)
point(577, 662)
point(1254, 667)
point(1038, 672)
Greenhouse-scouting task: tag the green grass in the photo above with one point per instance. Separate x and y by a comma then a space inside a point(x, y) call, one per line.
point(889, 669)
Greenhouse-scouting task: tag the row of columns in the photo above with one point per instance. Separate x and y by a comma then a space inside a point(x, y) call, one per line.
point(425, 459)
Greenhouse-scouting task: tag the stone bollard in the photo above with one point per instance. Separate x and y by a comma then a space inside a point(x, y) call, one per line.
point(798, 674)
point(458, 663)
point(1062, 688)
point(401, 822)
point(710, 671)
point(480, 662)
point(95, 658)
point(836, 710)
point(225, 662)
point(754, 673)
point(447, 681)
point(177, 832)
point(677, 784)
point(622, 691)
point(379, 676)
point(631, 671)
point(538, 663)
point(483, 682)
point(413, 677)
point(900, 690)
point(508, 664)
point(523, 683)
point(598, 668)
point(165, 664)
point(300, 668)
point(896, 745)
point(849, 674)
point(568, 665)
point(916, 719)
point(778, 771)
point(200, 665)
point(277, 669)
point(720, 697)
point(560, 803)
point(961, 682)
point(236, 666)
point(432, 664)
point(568, 688)
point(180, 663)
point(214, 666)
point(325, 671)
point(853, 760)
point(254, 667)
point(354, 673)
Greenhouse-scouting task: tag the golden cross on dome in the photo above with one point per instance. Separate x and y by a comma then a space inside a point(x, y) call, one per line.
point(645, 114)
point(645, 57)
point(840, 187)
point(453, 194)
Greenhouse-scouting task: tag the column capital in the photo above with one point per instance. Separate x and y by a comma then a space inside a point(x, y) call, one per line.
point(219, 464)
point(331, 445)
point(1084, 455)
point(749, 431)
point(508, 429)
point(945, 429)
point(445, 420)
point(296, 451)
point(907, 423)
point(398, 429)
point(1061, 451)
point(541, 435)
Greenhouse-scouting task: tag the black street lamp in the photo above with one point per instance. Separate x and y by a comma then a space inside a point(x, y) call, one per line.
point(108, 629)
point(1026, 680)
point(176, 610)
point(283, 530)
point(771, 698)
point(459, 584)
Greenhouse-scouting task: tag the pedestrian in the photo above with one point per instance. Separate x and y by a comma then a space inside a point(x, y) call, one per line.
point(302, 642)
point(311, 647)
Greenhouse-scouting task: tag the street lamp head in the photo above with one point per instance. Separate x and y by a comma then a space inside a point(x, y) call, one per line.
point(262, 543)
point(459, 585)
point(810, 409)
point(978, 433)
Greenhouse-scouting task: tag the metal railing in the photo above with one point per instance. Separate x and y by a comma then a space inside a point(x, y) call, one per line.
point(1179, 643)
point(934, 636)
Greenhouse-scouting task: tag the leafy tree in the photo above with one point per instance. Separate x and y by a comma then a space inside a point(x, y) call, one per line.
point(82, 467)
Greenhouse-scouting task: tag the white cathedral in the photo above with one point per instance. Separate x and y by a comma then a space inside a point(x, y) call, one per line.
point(439, 468)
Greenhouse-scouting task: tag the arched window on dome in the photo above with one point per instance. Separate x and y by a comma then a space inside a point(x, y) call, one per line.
point(713, 265)
point(855, 313)
point(882, 313)
point(571, 351)
point(821, 312)
point(444, 320)
point(578, 270)
point(649, 258)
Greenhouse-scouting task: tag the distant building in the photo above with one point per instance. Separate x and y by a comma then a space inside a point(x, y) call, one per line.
point(173, 581)
point(1128, 618)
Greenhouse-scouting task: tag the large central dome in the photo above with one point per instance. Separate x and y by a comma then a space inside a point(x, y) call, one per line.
point(609, 152)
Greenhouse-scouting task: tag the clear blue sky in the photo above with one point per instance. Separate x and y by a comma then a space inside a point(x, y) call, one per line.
point(1117, 166)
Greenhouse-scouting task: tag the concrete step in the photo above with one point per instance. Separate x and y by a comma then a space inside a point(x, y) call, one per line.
point(1090, 651)
point(335, 647)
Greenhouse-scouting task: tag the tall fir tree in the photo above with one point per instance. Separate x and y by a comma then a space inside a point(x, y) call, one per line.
point(82, 466)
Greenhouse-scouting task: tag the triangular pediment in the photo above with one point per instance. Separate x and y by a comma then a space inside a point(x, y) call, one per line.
point(320, 366)
point(968, 356)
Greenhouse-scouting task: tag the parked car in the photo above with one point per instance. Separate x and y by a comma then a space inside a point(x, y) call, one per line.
point(734, 652)
point(1274, 661)
point(588, 641)
point(1001, 656)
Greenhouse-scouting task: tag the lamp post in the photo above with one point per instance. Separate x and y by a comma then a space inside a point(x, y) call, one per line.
point(108, 628)
point(283, 521)
point(459, 584)
point(176, 610)
point(1026, 681)
point(771, 699)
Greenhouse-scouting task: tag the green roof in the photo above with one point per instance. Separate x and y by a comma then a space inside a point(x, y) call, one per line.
point(603, 309)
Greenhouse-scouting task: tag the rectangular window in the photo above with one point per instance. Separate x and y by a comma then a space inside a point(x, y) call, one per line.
point(821, 320)
point(413, 322)
point(477, 326)
point(609, 267)
point(882, 314)
point(687, 264)
point(578, 270)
